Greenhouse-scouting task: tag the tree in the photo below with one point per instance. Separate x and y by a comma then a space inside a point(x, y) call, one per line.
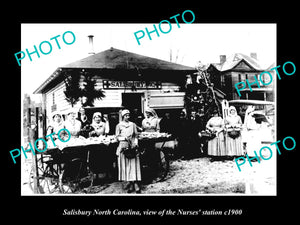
point(73, 91)
point(201, 96)
point(89, 90)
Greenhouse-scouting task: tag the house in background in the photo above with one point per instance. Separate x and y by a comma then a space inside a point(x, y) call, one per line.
point(237, 68)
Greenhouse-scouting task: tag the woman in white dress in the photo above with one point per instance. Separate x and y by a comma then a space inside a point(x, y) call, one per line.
point(98, 125)
point(72, 124)
point(216, 146)
point(151, 121)
point(56, 125)
point(234, 145)
point(129, 169)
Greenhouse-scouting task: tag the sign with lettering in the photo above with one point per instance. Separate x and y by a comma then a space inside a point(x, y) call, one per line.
point(112, 84)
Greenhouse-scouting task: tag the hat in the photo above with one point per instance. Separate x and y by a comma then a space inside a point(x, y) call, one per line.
point(81, 109)
point(151, 111)
point(97, 114)
point(124, 112)
point(232, 108)
point(55, 113)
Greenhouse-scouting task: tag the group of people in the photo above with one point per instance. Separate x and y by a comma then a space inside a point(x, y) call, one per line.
point(129, 169)
point(225, 135)
point(216, 137)
point(79, 125)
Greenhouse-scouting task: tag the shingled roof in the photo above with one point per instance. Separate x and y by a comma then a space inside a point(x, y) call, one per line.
point(118, 59)
point(115, 59)
point(233, 60)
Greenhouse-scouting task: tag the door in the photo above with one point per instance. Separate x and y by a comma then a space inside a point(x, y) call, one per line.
point(132, 101)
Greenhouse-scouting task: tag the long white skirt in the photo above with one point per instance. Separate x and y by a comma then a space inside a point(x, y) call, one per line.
point(128, 169)
point(234, 146)
point(216, 146)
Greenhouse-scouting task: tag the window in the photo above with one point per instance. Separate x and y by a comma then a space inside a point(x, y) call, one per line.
point(53, 107)
point(222, 80)
point(53, 98)
point(242, 77)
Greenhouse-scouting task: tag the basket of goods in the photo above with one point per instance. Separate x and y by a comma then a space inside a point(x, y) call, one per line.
point(153, 135)
point(103, 139)
point(234, 132)
point(132, 150)
point(207, 134)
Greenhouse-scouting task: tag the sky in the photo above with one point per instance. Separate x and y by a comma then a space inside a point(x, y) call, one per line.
point(191, 43)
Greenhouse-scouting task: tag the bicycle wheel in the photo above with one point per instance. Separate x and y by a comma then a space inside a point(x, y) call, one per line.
point(48, 177)
point(75, 177)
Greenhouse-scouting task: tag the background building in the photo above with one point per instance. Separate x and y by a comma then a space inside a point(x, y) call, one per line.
point(239, 67)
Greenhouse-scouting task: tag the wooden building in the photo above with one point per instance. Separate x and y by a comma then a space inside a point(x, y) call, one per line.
point(239, 67)
point(128, 80)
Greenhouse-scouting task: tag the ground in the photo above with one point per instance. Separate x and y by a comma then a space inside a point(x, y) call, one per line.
point(201, 176)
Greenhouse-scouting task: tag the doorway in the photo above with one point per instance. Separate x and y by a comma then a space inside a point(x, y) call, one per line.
point(133, 101)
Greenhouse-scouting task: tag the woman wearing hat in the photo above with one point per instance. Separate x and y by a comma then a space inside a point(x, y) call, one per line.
point(72, 124)
point(98, 125)
point(151, 121)
point(151, 124)
point(216, 145)
point(234, 144)
point(128, 168)
point(56, 124)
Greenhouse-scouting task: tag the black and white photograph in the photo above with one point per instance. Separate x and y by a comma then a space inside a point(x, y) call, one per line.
point(149, 109)
point(130, 113)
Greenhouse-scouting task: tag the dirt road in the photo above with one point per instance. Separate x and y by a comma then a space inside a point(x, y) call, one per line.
point(200, 176)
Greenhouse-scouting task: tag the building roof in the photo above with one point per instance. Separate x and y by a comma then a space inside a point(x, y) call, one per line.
point(233, 60)
point(118, 59)
point(115, 59)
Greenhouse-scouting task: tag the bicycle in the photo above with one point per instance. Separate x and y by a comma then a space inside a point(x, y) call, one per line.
point(49, 168)
point(61, 176)
point(69, 170)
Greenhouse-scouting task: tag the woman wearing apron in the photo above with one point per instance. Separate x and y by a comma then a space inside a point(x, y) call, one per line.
point(128, 168)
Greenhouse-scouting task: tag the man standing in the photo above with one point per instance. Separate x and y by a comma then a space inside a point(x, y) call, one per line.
point(193, 148)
